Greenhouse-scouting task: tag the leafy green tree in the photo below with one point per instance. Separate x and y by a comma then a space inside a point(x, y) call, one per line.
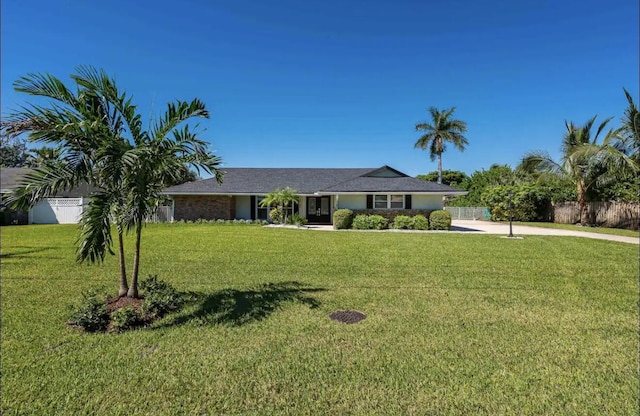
point(13, 152)
point(480, 180)
point(104, 143)
point(584, 162)
point(441, 130)
point(453, 178)
point(281, 198)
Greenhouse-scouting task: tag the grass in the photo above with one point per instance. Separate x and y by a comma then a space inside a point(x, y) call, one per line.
point(572, 227)
point(457, 324)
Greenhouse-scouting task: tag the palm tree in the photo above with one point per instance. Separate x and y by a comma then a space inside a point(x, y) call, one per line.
point(442, 129)
point(45, 156)
point(584, 162)
point(103, 142)
point(281, 198)
point(630, 130)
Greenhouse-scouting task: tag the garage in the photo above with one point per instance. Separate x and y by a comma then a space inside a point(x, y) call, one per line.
point(56, 211)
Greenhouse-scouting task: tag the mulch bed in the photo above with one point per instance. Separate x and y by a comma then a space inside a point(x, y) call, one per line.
point(115, 303)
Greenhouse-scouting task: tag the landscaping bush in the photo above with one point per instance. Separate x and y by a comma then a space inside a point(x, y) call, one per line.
point(297, 219)
point(125, 318)
point(276, 215)
point(159, 297)
point(370, 222)
point(420, 222)
point(403, 222)
point(528, 203)
point(440, 220)
point(91, 313)
point(342, 219)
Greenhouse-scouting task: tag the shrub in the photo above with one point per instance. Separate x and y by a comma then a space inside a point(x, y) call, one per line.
point(91, 313)
point(440, 220)
point(528, 202)
point(403, 222)
point(342, 219)
point(160, 297)
point(420, 222)
point(297, 219)
point(370, 222)
point(200, 221)
point(276, 215)
point(125, 318)
point(219, 221)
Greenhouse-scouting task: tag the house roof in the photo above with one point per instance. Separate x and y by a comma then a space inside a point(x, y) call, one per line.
point(10, 179)
point(310, 181)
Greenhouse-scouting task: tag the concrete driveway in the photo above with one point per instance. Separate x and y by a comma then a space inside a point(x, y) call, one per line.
point(499, 228)
point(486, 227)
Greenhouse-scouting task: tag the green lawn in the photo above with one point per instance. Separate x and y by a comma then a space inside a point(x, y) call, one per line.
point(457, 325)
point(599, 230)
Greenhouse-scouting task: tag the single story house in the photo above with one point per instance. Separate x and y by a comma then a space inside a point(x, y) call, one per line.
point(65, 208)
point(385, 191)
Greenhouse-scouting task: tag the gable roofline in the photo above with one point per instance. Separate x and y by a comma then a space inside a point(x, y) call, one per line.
point(383, 168)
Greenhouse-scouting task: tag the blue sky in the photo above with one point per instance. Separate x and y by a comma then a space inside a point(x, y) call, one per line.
point(343, 83)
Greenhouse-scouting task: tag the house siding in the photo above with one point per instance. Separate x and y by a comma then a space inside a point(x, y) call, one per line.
point(352, 201)
point(243, 207)
point(429, 202)
point(193, 207)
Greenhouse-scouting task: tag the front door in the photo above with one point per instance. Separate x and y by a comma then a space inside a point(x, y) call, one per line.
point(319, 209)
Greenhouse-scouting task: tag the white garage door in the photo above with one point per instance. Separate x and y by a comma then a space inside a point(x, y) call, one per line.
point(56, 211)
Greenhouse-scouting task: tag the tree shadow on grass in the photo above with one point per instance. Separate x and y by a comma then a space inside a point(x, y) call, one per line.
point(21, 252)
point(238, 307)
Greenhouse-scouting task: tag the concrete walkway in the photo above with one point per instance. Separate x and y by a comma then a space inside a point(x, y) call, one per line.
point(498, 228)
point(487, 227)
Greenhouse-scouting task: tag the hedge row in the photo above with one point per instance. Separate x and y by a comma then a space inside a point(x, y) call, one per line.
point(221, 221)
point(344, 219)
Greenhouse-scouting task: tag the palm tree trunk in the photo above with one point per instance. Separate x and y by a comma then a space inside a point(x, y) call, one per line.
point(124, 287)
point(582, 203)
point(440, 168)
point(133, 289)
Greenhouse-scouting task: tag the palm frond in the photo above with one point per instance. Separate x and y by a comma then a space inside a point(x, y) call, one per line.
point(95, 239)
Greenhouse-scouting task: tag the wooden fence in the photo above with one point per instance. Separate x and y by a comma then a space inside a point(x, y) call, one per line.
point(605, 214)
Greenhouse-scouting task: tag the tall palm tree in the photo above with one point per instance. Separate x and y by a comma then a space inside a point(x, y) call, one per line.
point(442, 129)
point(103, 143)
point(584, 161)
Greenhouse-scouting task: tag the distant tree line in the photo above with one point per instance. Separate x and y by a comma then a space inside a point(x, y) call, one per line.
point(596, 164)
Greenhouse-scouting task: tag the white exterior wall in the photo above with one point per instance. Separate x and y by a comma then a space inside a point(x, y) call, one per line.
point(57, 211)
point(243, 207)
point(427, 202)
point(352, 201)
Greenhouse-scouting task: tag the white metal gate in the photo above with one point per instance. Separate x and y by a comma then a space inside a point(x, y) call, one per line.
point(56, 211)
point(468, 213)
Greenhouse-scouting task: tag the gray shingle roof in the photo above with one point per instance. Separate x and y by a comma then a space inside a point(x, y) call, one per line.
point(400, 184)
point(308, 181)
point(10, 178)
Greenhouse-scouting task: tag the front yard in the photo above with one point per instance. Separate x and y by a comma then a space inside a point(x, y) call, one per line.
point(456, 325)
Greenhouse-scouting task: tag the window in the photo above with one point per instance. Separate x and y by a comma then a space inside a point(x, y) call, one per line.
point(263, 212)
point(388, 201)
point(397, 201)
point(380, 202)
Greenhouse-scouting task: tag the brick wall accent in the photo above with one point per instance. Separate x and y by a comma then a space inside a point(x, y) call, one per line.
point(207, 207)
point(391, 214)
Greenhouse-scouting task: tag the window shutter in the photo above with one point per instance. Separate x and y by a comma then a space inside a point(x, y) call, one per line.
point(369, 201)
point(407, 202)
point(253, 207)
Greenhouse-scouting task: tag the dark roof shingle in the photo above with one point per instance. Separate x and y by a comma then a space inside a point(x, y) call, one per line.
point(307, 181)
